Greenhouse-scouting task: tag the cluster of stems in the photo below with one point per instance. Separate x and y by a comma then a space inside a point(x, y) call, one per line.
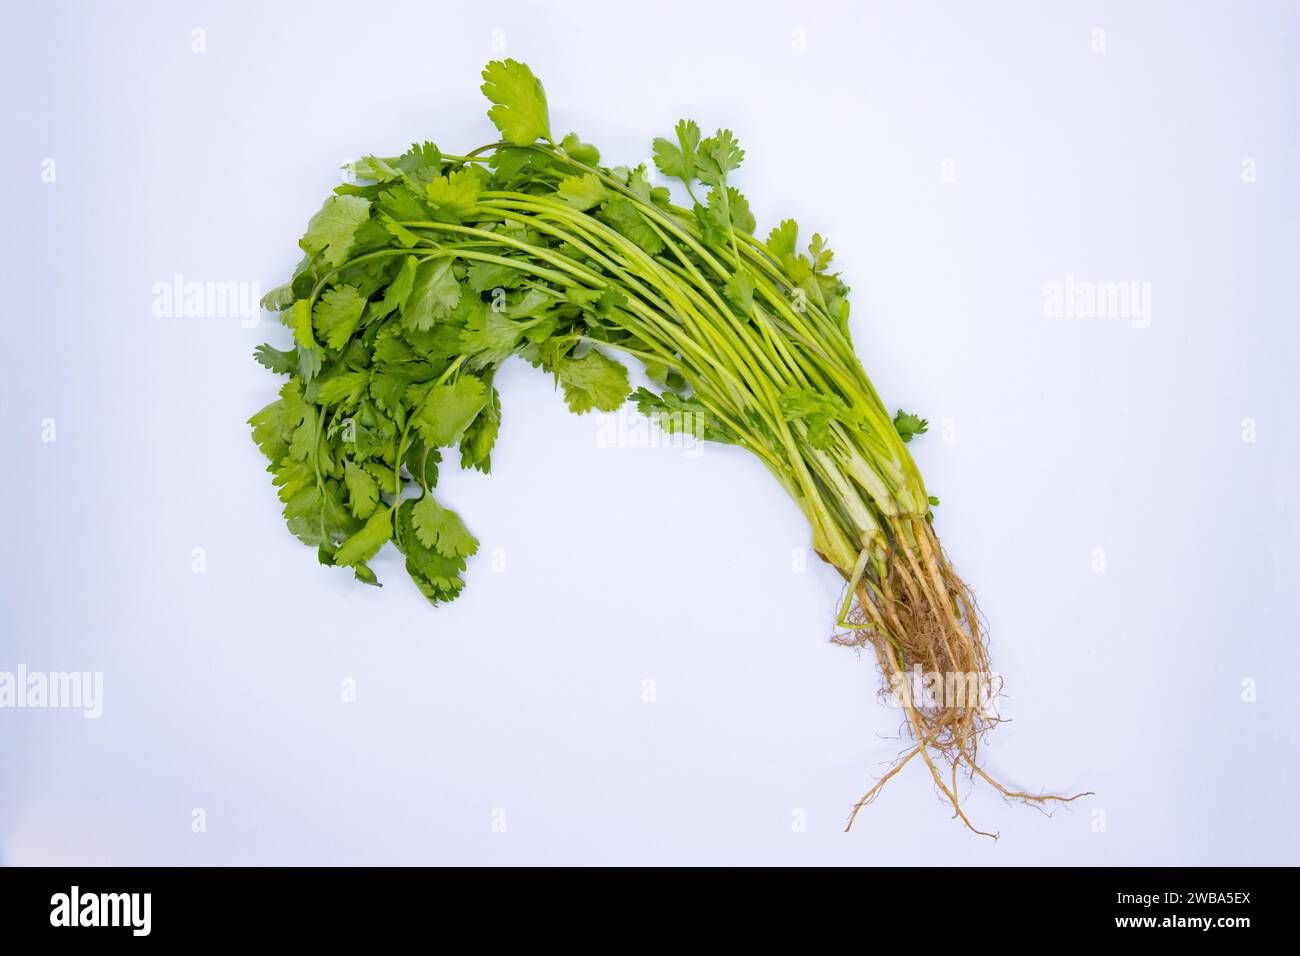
point(677, 314)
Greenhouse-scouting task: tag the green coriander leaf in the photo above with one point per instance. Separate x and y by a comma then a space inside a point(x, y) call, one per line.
point(391, 346)
point(403, 203)
point(372, 168)
point(476, 444)
point(404, 236)
point(302, 443)
point(510, 167)
point(282, 363)
point(454, 197)
point(718, 155)
point(909, 426)
point(668, 159)
point(490, 337)
point(379, 470)
point(309, 353)
point(593, 381)
point(740, 290)
point(781, 241)
point(714, 232)
point(609, 300)
point(436, 575)
point(623, 215)
point(482, 276)
point(741, 215)
point(582, 192)
point(363, 492)
point(291, 478)
point(331, 231)
point(420, 165)
point(399, 289)
point(314, 515)
point(278, 299)
point(449, 410)
point(520, 112)
point(268, 431)
point(365, 544)
point(730, 207)
point(638, 183)
point(441, 343)
point(437, 590)
point(344, 389)
point(361, 571)
point(799, 270)
point(357, 355)
point(274, 425)
point(442, 529)
point(535, 303)
point(338, 312)
point(305, 276)
point(679, 161)
point(434, 292)
point(541, 330)
point(388, 385)
point(422, 462)
point(579, 151)
point(820, 253)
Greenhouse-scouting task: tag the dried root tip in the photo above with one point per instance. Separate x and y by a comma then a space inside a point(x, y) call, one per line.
point(922, 621)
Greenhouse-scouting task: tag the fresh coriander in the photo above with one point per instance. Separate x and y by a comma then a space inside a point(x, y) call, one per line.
point(418, 282)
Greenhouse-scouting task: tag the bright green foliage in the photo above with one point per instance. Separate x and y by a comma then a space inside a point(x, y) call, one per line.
point(363, 490)
point(678, 161)
point(578, 151)
point(625, 215)
point(417, 167)
point(337, 314)
point(593, 381)
point(437, 575)
point(909, 425)
point(582, 192)
point(450, 409)
point(434, 292)
point(520, 111)
point(718, 155)
point(331, 232)
point(365, 544)
point(441, 529)
point(420, 279)
point(454, 197)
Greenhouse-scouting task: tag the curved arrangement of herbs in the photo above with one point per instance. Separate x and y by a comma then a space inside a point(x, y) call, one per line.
point(421, 279)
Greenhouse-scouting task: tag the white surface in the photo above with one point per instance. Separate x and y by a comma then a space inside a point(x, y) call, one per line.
point(222, 689)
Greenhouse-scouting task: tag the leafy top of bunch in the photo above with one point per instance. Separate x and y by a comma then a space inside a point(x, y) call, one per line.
point(425, 274)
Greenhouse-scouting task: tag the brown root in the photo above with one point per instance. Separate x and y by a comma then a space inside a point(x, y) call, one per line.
point(923, 623)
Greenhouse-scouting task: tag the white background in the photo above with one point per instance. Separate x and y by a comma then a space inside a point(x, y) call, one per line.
point(622, 564)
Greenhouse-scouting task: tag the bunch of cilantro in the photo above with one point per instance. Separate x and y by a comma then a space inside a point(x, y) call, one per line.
point(422, 277)
point(418, 282)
